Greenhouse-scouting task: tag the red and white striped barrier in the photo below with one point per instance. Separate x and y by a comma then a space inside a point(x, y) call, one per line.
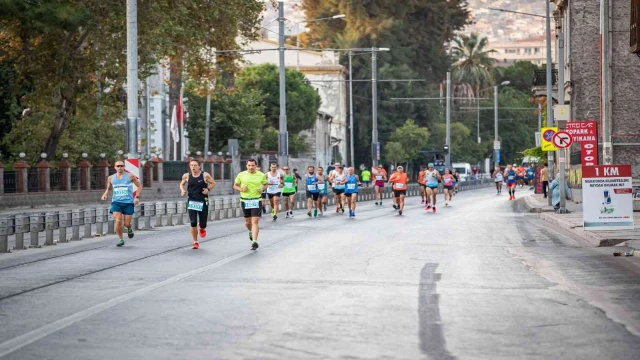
point(132, 166)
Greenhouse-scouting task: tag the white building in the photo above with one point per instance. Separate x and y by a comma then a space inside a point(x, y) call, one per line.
point(328, 141)
point(533, 49)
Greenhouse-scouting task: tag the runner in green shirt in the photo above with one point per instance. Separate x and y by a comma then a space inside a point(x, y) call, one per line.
point(288, 190)
point(365, 175)
point(251, 184)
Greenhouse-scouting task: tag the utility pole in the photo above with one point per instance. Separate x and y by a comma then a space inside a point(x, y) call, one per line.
point(283, 135)
point(132, 78)
point(207, 124)
point(374, 107)
point(353, 160)
point(549, 89)
point(562, 152)
point(496, 152)
point(605, 105)
point(447, 156)
point(478, 105)
point(147, 93)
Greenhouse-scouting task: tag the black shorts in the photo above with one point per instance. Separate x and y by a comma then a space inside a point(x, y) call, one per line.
point(423, 186)
point(450, 188)
point(338, 191)
point(397, 193)
point(264, 195)
point(251, 213)
point(272, 195)
point(199, 217)
point(349, 194)
point(315, 196)
point(284, 194)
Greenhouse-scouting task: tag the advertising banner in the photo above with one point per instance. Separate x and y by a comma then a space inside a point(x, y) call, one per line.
point(607, 192)
point(586, 133)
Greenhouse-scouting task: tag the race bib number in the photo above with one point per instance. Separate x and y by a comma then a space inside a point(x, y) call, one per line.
point(379, 177)
point(288, 184)
point(447, 181)
point(321, 186)
point(195, 205)
point(311, 187)
point(351, 186)
point(338, 186)
point(510, 177)
point(252, 204)
point(273, 188)
point(120, 191)
point(399, 186)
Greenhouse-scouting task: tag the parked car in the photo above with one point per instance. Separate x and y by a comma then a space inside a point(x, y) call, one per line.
point(464, 170)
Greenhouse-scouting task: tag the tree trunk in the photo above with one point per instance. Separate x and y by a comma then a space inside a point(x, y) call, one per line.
point(175, 85)
point(61, 123)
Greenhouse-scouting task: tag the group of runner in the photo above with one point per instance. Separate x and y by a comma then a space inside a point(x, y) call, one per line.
point(512, 176)
point(256, 187)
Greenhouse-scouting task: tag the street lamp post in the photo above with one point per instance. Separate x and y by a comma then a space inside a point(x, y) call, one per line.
point(353, 163)
point(496, 155)
point(132, 77)
point(375, 146)
point(283, 136)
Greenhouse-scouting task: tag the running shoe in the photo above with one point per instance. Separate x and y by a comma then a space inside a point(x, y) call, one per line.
point(422, 202)
point(275, 217)
point(287, 215)
point(254, 245)
point(395, 207)
point(120, 243)
point(203, 232)
point(514, 196)
point(434, 209)
point(273, 212)
point(195, 245)
point(400, 212)
point(446, 204)
point(337, 209)
point(325, 207)
point(291, 214)
point(315, 213)
point(130, 232)
point(342, 209)
point(309, 213)
point(376, 203)
point(428, 207)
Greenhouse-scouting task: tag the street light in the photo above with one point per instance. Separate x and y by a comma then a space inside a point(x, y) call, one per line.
point(496, 154)
point(340, 16)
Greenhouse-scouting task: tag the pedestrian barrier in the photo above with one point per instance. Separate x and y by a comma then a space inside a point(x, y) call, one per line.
point(220, 208)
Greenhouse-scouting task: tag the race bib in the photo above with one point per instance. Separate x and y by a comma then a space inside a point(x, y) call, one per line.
point(252, 204)
point(321, 186)
point(447, 181)
point(338, 186)
point(120, 191)
point(273, 188)
point(288, 184)
point(195, 205)
point(510, 177)
point(351, 186)
point(311, 187)
point(379, 177)
point(399, 186)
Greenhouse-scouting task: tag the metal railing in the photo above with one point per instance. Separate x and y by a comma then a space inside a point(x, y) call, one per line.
point(173, 170)
point(10, 182)
point(44, 228)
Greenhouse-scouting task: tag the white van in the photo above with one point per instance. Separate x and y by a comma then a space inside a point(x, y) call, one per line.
point(464, 170)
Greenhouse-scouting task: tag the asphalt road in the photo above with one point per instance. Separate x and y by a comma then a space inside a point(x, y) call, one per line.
point(477, 280)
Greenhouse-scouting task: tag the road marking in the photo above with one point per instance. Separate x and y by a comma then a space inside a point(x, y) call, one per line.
point(23, 340)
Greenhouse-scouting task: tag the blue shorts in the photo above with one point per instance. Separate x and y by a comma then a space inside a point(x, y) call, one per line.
point(124, 208)
point(432, 186)
point(366, 182)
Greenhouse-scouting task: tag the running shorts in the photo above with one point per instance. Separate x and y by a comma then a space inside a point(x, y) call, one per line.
point(313, 196)
point(264, 195)
point(124, 208)
point(380, 184)
point(199, 217)
point(338, 191)
point(249, 213)
point(397, 193)
point(511, 183)
point(349, 194)
point(450, 187)
point(272, 195)
point(423, 185)
point(284, 194)
point(434, 186)
point(366, 183)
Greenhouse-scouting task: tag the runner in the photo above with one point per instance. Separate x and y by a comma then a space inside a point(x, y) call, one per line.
point(322, 186)
point(289, 191)
point(381, 178)
point(366, 177)
point(313, 192)
point(510, 175)
point(456, 180)
point(338, 180)
point(432, 177)
point(531, 176)
point(448, 182)
point(122, 200)
point(351, 192)
point(399, 180)
point(522, 175)
point(275, 182)
point(263, 197)
point(198, 190)
point(251, 183)
point(499, 178)
point(423, 185)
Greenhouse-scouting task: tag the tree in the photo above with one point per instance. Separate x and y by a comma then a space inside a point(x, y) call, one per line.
point(474, 65)
point(303, 102)
point(395, 153)
point(520, 75)
point(412, 138)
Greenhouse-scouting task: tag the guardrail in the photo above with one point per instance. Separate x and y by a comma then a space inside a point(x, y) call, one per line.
point(44, 228)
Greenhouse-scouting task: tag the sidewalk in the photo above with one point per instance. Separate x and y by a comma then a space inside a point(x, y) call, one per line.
point(572, 222)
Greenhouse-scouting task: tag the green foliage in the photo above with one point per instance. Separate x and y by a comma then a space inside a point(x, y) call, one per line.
point(395, 153)
point(535, 152)
point(520, 75)
point(474, 64)
point(303, 102)
point(411, 137)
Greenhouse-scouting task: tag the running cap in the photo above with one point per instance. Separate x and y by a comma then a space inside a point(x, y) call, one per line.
point(400, 168)
point(430, 165)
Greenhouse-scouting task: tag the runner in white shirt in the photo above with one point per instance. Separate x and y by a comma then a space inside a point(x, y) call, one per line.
point(274, 189)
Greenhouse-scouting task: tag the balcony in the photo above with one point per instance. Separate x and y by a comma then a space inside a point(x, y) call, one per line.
point(540, 82)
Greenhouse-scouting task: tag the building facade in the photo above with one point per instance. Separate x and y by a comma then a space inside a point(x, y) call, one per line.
point(533, 49)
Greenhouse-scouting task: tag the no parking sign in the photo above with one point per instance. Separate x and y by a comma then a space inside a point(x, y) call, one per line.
point(547, 138)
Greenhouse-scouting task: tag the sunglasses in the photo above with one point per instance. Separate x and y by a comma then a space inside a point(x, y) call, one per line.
point(287, 169)
point(119, 165)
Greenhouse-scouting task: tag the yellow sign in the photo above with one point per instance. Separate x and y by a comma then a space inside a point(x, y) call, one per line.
point(547, 138)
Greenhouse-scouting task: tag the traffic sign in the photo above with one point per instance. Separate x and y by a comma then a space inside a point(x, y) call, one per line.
point(547, 138)
point(496, 145)
point(562, 140)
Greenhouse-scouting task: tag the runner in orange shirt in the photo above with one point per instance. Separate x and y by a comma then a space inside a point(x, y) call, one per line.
point(399, 180)
point(422, 182)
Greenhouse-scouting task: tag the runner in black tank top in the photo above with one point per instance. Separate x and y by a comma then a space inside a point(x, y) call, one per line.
point(199, 184)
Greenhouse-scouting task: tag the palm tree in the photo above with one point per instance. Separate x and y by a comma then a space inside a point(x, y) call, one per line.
point(473, 64)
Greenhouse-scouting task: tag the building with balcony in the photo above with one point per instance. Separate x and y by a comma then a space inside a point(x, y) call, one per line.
point(532, 49)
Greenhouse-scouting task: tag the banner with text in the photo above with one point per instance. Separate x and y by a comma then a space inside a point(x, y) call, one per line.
point(607, 193)
point(586, 133)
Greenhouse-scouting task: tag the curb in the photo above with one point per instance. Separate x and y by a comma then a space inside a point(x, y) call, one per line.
point(534, 208)
point(594, 238)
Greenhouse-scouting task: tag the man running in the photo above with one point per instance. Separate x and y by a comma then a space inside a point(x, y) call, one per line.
point(399, 180)
point(122, 200)
point(366, 177)
point(522, 175)
point(322, 187)
point(531, 176)
point(510, 175)
point(498, 178)
point(199, 184)
point(351, 191)
point(448, 182)
point(432, 177)
point(423, 185)
point(338, 179)
point(381, 177)
point(288, 191)
point(313, 192)
point(251, 183)
point(456, 180)
point(274, 180)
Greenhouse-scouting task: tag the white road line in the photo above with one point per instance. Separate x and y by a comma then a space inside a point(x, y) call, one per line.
point(23, 340)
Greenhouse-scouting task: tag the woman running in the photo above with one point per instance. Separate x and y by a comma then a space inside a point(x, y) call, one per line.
point(498, 178)
point(448, 182)
point(510, 175)
point(381, 178)
point(351, 191)
point(431, 177)
point(399, 180)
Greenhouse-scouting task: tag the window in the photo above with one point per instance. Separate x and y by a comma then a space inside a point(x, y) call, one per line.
point(527, 51)
point(536, 50)
point(510, 51)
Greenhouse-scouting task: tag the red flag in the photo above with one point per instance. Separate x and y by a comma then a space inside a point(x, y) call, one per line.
point(180, 110)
